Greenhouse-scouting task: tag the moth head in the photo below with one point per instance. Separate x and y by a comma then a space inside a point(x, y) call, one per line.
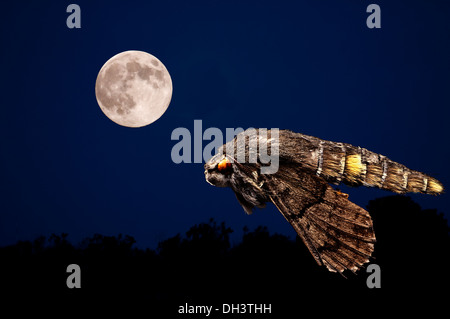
point(219, 170)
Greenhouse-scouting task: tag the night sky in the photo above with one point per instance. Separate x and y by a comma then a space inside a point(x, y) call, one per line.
point(309, 66)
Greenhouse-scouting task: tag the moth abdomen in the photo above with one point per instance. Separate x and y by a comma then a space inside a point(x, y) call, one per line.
point(401, 179)
point(358, 166)
point(421, 183)
point(344, 163)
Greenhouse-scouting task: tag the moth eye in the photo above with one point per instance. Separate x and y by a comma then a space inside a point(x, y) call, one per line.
point(224, 166)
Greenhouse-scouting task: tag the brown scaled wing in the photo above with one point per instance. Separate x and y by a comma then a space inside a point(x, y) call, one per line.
point(338, 233)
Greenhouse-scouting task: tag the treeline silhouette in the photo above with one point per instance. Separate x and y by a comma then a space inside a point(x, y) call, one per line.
point(202, 266)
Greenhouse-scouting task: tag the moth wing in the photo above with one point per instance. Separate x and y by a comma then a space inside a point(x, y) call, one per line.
point(338, 233)
point(248, 208)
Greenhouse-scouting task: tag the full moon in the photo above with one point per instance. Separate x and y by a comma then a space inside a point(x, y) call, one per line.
point(133, 88)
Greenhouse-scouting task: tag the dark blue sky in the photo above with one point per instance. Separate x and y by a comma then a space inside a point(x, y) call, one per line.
point(308, 66)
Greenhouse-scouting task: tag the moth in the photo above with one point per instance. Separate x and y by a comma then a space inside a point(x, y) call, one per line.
point(338, 233)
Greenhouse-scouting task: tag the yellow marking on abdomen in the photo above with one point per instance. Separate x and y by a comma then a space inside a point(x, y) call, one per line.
point(434, 187)
point(354, 168)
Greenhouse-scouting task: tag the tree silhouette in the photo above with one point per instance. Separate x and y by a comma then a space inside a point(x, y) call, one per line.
point(202, 266)
point(412, 245)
